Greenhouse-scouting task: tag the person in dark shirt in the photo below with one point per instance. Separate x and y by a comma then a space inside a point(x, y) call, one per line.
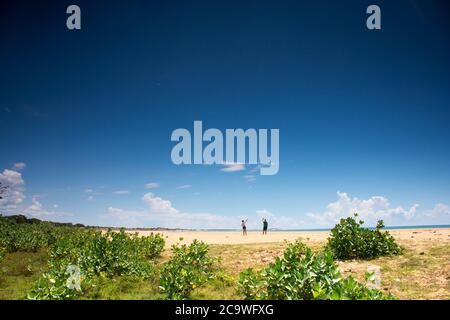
point(265, 226)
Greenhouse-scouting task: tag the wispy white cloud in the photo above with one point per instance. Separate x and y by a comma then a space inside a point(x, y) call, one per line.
point(121, 192)
point(250, 177)
point(19, 166)
point(152, 185)
point(278, 221)
point(92, 194)
point(233, 167)
point(184, 186)
point(255, 169)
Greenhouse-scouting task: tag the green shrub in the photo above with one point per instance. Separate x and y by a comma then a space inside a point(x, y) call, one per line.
point(96, 254)
point(302, 275)
point(350, 240)
point(189, 267)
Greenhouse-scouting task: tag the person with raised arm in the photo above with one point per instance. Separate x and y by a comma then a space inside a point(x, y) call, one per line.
point(244, 227)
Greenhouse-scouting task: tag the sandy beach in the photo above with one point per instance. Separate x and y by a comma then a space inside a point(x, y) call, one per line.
point(235, 237)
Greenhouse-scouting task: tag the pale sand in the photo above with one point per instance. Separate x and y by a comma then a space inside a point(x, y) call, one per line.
point(235, 237)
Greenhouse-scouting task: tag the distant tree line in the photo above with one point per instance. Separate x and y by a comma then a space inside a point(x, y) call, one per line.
point(21, 219)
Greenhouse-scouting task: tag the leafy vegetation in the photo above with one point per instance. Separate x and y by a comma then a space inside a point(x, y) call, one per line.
point(78, 256)
point(350, 240)
point(95, 254)
point(18, 233)
point(189, 268)
point(119, 265)
point(302, 275)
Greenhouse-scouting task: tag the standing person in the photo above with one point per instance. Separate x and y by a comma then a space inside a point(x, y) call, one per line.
point(244, 227)
point(265, 226)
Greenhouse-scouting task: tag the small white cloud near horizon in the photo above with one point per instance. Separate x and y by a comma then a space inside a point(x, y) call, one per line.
point(35, 205)
point(152, 185)
point(378, 208)
point(161, 213)
point(439, 210)
point(37, 210)
point(158, 205)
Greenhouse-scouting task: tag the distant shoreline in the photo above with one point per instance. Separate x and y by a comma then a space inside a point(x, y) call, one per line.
point(438, 226)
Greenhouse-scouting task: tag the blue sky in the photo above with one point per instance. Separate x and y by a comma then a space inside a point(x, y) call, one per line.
point(86, 116)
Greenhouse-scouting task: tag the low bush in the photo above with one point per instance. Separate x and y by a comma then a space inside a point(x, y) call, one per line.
point(302, 275)
point(350, 240)
point(189, 267)
point(95, 254)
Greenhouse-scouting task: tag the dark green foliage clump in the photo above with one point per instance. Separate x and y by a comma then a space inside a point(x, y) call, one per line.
point(350, 240)
point(189, 267)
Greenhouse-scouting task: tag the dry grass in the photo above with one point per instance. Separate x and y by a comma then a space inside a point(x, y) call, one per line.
point(422, 272)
